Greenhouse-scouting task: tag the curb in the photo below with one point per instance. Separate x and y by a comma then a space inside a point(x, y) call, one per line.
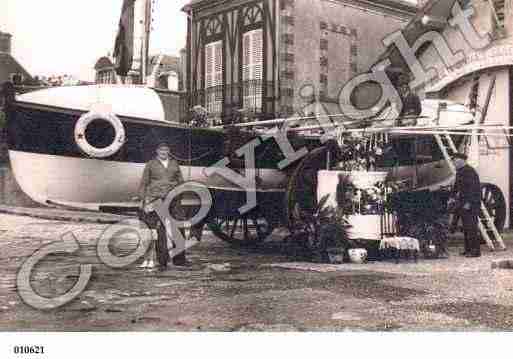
point(78, 217)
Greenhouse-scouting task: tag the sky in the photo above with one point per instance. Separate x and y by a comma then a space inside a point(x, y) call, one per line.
point(57, 37)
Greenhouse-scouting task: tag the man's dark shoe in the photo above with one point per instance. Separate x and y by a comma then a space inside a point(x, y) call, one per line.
point(179, 259)
point(473, 255)
point(184, 263)
point(464, 254)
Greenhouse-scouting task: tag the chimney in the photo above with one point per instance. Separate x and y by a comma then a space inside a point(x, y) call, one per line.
point(5, 42)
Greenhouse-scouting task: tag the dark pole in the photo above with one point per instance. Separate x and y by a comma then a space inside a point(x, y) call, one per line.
point(188, 60)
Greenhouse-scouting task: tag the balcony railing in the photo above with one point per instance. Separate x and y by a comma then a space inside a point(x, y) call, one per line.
point(224, 101)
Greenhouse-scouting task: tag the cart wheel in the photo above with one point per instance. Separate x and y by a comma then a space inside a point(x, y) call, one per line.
point(302, 187)
point(493, 199)
point(241, 231)
point(301, 205)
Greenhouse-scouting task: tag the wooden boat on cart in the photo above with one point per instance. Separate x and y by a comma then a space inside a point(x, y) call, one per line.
point(85, 147)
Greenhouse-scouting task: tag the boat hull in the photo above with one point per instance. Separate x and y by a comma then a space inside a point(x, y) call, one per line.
point(83, 182)
point(51, 169)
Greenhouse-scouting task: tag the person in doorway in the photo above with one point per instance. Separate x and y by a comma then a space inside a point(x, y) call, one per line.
point(161, 175)
point(466, 195)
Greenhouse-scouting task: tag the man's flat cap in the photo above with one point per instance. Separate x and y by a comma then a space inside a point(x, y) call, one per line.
point(163, 144)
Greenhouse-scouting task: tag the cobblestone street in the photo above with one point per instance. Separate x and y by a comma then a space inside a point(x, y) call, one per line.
point(240, 290)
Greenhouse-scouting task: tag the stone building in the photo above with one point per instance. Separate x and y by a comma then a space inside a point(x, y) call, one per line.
point(261, 55)
point(164, 72)
point(468, 64)
point(105, 71)
point(10, 70)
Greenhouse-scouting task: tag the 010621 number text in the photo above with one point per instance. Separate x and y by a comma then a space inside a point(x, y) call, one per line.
point(29, 349)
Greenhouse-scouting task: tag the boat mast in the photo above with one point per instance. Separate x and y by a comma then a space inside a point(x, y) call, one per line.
point(146, 29)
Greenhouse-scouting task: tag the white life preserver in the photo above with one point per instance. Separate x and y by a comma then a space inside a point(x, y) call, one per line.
point(86, 147)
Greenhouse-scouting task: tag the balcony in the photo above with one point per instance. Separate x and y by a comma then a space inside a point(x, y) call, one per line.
point(225, 102)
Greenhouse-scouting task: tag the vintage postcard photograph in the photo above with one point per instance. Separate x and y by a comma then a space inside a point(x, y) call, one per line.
point(177, 168)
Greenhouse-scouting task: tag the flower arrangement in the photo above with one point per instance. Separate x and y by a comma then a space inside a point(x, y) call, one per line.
point(322, 232)
point(362, 190)
point(360, 153)
point(199, 117)
point(354, 199)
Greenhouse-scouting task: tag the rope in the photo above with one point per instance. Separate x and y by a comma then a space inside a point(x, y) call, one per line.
point(189, 159)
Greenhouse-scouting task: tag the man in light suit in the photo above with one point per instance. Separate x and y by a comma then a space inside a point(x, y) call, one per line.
point(161, 175)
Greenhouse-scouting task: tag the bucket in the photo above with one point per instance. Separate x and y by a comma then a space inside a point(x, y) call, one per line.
point(358, 255)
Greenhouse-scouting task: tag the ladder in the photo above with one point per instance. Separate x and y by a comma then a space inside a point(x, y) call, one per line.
point(497, 8)
point(485, 221)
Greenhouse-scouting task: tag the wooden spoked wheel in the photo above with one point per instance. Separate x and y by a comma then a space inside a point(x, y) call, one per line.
point(301, 192)
point(227, 223)
point(493, 199)
point(245, 230)
point(301, 203)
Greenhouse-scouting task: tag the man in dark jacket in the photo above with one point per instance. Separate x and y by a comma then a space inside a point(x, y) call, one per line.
point(161, 175)
point(467, 194)
point(412, 106)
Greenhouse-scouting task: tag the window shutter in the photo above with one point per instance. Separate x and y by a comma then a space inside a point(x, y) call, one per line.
point(257, 53)
point(209, 62)
point(247, 57)
point(214, 64)
point(218, 64)
point(214, 76)
point(253, 68)
point(253, 55)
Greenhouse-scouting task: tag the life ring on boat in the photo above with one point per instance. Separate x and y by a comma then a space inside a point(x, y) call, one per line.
point(80, 134)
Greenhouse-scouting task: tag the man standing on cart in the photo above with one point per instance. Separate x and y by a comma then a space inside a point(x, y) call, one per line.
point(161, 175)
point(466, 195)
point(412, 106)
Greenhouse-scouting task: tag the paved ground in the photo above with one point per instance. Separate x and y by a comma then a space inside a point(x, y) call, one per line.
point(241, 290)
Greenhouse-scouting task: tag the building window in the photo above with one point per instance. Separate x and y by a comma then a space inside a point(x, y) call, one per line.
point(288, 75)
point(252, 68)
point(214, 76)
point(253, 16)
point(288, 39)
point(172, 81)
point(106, 77)
point(214, 28)
point(16, 78)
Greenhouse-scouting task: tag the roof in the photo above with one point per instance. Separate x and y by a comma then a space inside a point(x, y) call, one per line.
point(9, 65)
point(403, 5)
point(167, 60)
point(102, 63)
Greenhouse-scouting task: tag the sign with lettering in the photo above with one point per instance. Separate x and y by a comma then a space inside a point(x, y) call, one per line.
point(493, 57)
